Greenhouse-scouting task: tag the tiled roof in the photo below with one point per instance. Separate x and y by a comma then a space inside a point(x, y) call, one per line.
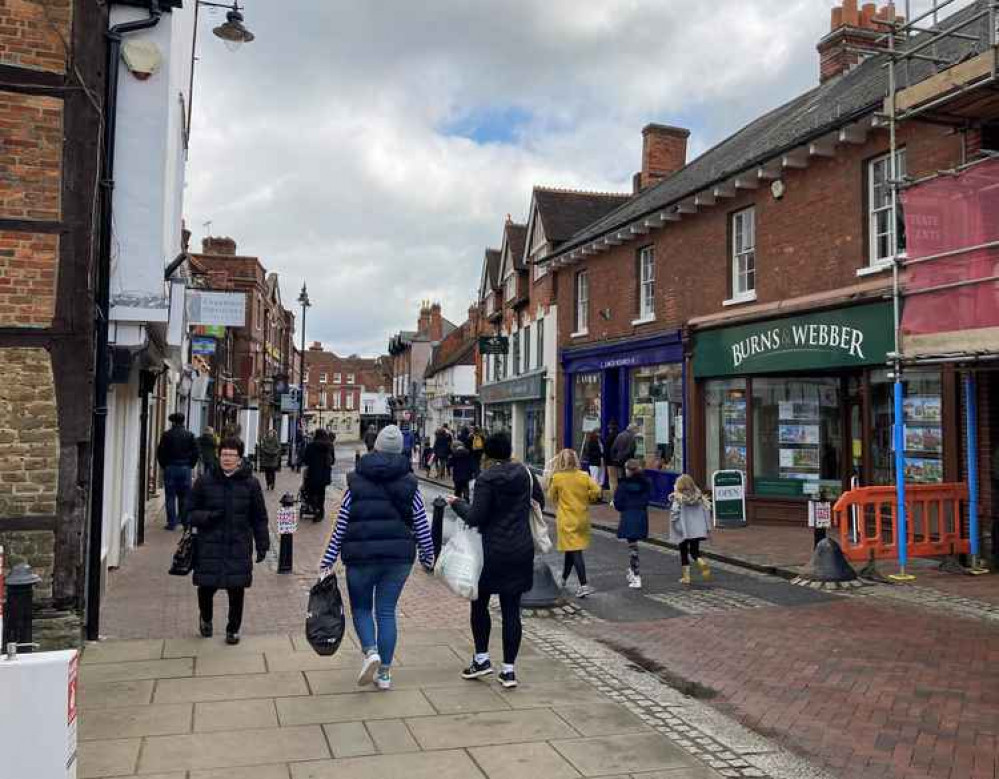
point(492, 261)
point(564, 212)
point(833, 104)
point(516, 238)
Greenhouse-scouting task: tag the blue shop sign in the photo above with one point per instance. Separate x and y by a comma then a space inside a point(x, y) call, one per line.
point(652, 350)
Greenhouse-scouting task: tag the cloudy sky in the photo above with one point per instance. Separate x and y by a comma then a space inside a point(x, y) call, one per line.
point(374, 147)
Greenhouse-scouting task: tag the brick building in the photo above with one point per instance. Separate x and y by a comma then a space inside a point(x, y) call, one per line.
point(410, 352)
point(337, 389)
point(452, 377)
point(736, 307)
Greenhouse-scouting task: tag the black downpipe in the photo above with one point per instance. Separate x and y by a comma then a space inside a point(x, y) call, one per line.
point(102, 367)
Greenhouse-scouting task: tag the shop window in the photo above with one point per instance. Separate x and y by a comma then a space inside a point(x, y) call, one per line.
point(922, 407)
point(657, 409)
point(725, 425)
point(582, 322)
point(797, 437)
point(540, 328)
point(534, 434)
point(515, 344)
point(527, 349)
point(585, 406)
point(744, 254)
point(647, 283)
point(886, 228)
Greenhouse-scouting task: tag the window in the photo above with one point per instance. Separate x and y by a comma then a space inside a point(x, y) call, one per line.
point(582, 302)
point(322, 378)
point(336, 401)
point(322, 399)
point(490, 303)
point(585, 406)
point(541, 343)
point(922, 409)
point(527, 348)
point(350, 378)
point(540, 269)
point(887, 230)
point(510, 287)
point(515, 348)
point(350, 401)
point(657, 409)
point(646, 284)
point(744, 254)
point(725, 424)
point(337, 378)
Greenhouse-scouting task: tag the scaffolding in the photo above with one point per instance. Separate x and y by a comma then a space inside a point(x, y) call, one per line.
point(952, 58)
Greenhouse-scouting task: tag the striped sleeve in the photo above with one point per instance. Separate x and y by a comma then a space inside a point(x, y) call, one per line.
point(336, 539)
point(421, 527)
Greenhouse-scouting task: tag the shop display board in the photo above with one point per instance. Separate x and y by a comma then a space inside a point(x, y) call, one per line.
point(798, 438)
point(734, 431)
point(923, 439)
point(728, 498)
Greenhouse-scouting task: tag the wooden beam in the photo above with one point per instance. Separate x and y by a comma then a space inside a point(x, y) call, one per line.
point(745, 182)
point(654, 223)
point(639, 229)
point(686, 207)
point(764, 173)
point(724, 190)
point(668, 216)
point(951, 79)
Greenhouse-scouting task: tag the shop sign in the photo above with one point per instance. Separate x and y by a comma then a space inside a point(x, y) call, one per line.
point(842, 338)
point(666, 349)
point(523, 388)
point(493, 344)
point(216, 331)
point(216, 308)
point(728, 498)
point(202, 345)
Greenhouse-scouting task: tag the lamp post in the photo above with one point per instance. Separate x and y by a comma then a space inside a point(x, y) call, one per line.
point(304, 302)
point(232, 32)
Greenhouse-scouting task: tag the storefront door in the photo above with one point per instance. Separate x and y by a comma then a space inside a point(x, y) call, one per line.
point(534, 434)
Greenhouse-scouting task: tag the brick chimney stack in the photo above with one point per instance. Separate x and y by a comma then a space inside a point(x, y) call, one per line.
point(853, 28)
point(423, 324)
point(212, 245)
point(436, 323)
point(664, 152)
point(473, 319)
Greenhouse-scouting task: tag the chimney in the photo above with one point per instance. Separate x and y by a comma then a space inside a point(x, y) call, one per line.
point(220, 245)
point(664, 152)
point(473, 320)
point(436, 323)
point(423, 325)
point(852, 28)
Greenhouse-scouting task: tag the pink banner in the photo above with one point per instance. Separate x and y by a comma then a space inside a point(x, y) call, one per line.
point(951, 213)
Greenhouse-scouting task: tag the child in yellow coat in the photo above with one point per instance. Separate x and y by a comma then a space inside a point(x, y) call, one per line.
point(572, 491)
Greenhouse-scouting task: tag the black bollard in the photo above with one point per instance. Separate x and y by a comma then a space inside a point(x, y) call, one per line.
point(437, 525)
point(286, 551)
point(287, 524)
point(20, 598)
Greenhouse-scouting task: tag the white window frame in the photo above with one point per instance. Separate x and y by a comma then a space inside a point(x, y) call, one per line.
point(350, 378)
point(322, 378)
point(525, 344)
point(336, 401)
point(322, 399)
point(490, 303)
point(350, 401)
point(338, 378)
point(646, 285)
point(875, 211)
point(581, 286)
point(743, 257)
point(510, 287)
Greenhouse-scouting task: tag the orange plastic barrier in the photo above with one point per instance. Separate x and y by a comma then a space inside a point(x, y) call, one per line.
point(864, 519)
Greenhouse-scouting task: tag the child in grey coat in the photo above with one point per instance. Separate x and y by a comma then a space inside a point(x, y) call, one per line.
point(690, 523)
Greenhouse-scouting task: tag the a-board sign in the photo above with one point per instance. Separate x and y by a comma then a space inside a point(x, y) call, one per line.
point(728, 489)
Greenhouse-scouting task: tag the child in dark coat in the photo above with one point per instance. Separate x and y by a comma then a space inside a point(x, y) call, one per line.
point(631, 499)
point(462, 470)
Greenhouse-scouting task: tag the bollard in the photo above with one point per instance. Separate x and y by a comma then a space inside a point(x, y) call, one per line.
point(286, 552)
point(287, 522)
point(437, 525)
point(20, 597)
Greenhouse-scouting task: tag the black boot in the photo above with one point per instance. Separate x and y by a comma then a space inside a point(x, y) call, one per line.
point(205, 628)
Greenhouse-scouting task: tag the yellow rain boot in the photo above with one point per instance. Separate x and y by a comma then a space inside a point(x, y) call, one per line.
point(705, 569)
point(685, 575)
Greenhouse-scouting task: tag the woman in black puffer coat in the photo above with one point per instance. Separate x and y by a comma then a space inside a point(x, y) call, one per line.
point(501, 511)
point(229, 517)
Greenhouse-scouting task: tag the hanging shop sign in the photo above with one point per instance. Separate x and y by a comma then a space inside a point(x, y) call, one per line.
point(841, 338)
point(728, 498)
point(493, 344)
point(202, 345)
point(216, 308)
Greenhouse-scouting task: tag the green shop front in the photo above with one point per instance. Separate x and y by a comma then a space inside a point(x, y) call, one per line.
point(803, 406)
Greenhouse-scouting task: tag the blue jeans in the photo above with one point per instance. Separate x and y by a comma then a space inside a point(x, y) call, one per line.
point(177, 484)
point(374, 591)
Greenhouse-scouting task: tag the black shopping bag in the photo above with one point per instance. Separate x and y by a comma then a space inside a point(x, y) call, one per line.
point(325, 622)
point(183, 558)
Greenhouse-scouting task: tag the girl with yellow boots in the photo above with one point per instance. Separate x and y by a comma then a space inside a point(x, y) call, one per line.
point(690, 523)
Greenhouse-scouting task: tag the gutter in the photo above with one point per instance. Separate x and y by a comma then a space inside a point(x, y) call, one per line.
point(115, 37)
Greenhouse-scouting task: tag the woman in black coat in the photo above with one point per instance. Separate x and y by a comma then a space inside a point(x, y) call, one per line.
point(318, 460)
point(229, 518)
point(501, 511)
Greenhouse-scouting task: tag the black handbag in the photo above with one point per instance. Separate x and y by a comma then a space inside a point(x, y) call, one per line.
point(183, 557)
point(325, 622)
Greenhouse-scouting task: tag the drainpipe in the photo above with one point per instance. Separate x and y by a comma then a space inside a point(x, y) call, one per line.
point(102, 312)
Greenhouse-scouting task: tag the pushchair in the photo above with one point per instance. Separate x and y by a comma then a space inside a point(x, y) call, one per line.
point(312, 503)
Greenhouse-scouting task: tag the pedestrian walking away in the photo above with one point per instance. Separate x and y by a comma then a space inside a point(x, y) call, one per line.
point(501, 511)
point(208, 454)
point(690, 523)
point(624, 448)
point(462, 470)
point(177, 454)
point(318, 459)
point(478, 447)
point(612, 465)
point(381, 522)
point(442, 451)
point(370, 436)
point(593, 454)
point(229, 518)
point(572, 491)
point(269, 456)
point(632, 501)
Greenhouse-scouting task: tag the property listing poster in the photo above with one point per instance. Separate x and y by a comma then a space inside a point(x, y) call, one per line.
point(798, 438)
point(923, 439)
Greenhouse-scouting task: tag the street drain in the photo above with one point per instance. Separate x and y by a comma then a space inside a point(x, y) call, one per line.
point(662, 673)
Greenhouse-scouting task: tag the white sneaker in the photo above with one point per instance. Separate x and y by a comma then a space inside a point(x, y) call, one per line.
point(372, 664)
point(635, 583)
point(584, 590)
point(629, 575)
point(383, 681)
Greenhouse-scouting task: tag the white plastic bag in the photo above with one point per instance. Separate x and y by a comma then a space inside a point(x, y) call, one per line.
point(460, 563)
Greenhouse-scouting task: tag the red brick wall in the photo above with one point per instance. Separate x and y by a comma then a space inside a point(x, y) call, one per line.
point(30, 156)
point(33, 33)
point(28, 263)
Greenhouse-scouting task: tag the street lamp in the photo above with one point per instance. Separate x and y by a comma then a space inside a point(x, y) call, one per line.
point(232, 32)
point(305, 303)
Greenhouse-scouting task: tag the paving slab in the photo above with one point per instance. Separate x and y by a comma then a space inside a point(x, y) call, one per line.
point(133, 671)
point(451, 636)
point(699, 772)
point(235, 715)
point(229, 688)
point(232, 749)
point(320, 709)
point(135, 721)
point(121, 651)
point(345, 659)
point(300, 643)
point(601, 719)
point(106, 695)
point(349, 739)
point(274, 771)
point(113, 757)
point(219, 664)
point(516, 761)
point(597, 756)
point(423, 765)
point(391, 736)
point(466, 699)
point(454, 731)
point(532, 694)
point(253, 644)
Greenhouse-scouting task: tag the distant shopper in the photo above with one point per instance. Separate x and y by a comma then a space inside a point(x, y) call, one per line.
point(462, 470)
point(478, 447)
point(442, 451)
point(270, 456)
point(381, 522)
point(690, 523)
point(501, 511)
point(632, 501)
point(177, 454)
point(593, 453)
point(613, 431)
point(572, 491)
point(229, 518)
point(208, 455)
point(318, 459)
point(370, 436)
